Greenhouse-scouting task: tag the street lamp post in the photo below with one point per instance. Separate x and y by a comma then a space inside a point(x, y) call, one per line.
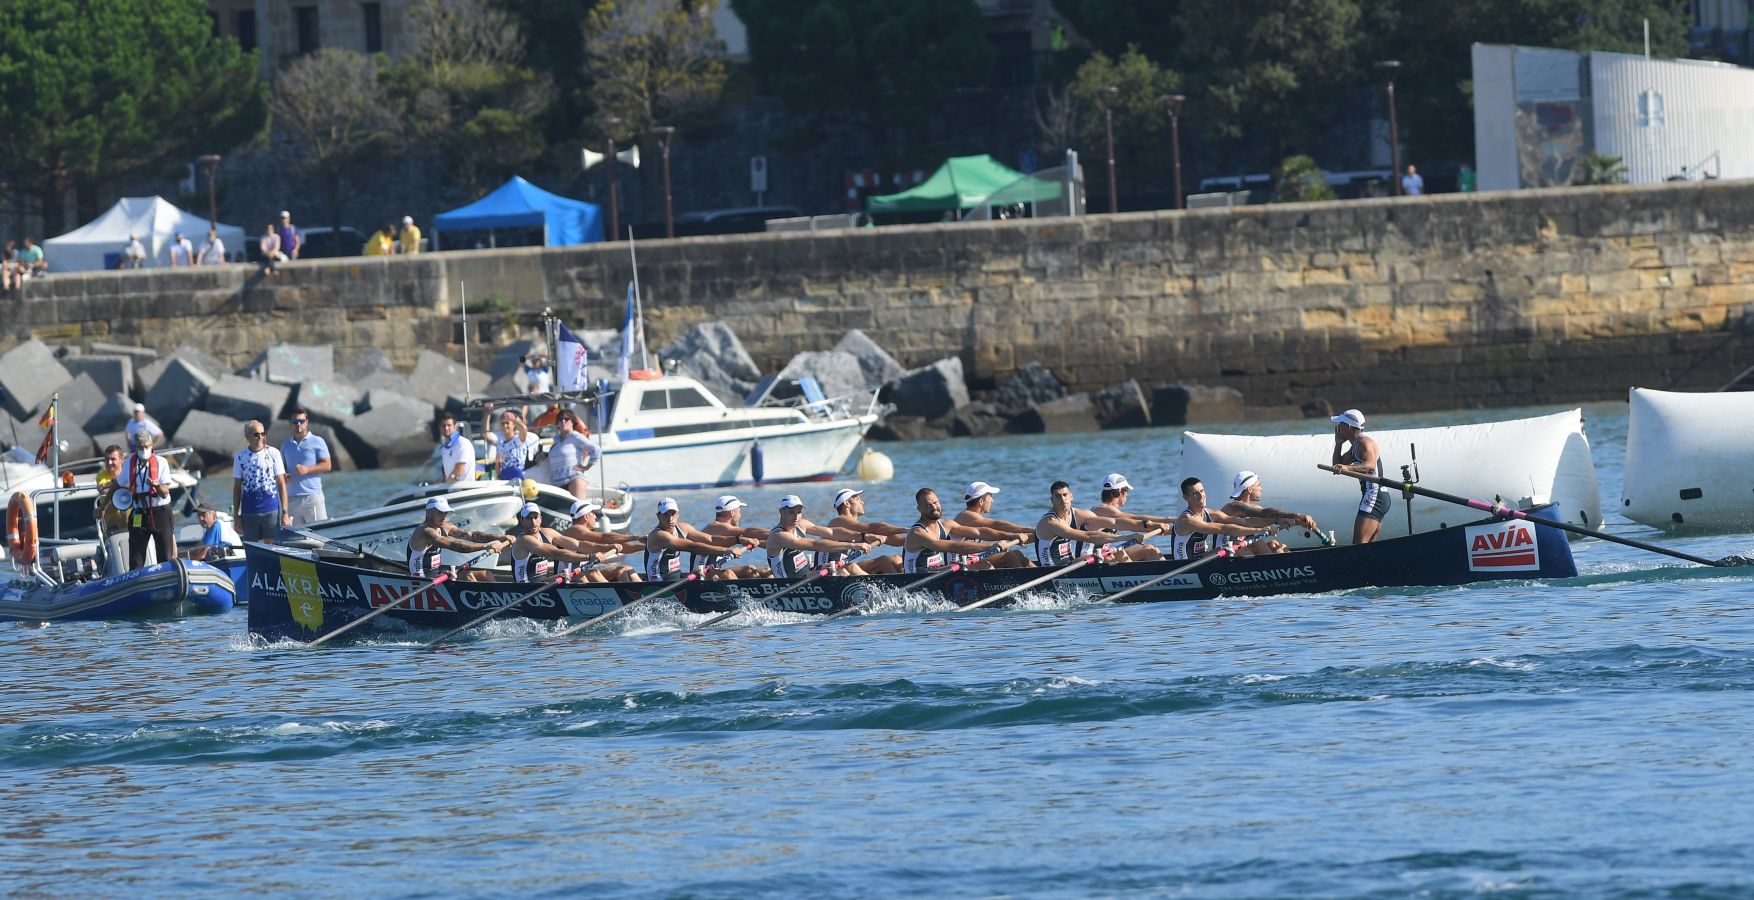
point(665, 133)
point(1174, 102)
point(1392, 67)
point(211, 162)
point(610, 123)
point(1108, 113)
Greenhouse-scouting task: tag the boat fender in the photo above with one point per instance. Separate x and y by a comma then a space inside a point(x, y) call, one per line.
point(875, 466)
point(757, 462)
point(21, 529)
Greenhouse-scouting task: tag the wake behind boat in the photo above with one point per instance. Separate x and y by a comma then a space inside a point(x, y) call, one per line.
point(297, 595)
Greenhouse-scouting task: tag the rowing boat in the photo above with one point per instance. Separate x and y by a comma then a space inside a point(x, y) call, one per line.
point(296, 595)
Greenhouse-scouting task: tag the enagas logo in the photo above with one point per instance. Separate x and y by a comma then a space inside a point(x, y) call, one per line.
point(1503, 547)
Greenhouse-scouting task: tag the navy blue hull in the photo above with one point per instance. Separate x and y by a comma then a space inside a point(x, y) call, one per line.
point(168, 589)
point(296, 598)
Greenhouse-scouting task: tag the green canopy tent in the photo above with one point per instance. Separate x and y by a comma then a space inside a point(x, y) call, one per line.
point(963, 182)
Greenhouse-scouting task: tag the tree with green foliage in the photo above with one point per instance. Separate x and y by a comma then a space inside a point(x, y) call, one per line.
point(1141, 119)
point(1111, 26)
point(889, 63)
point(332, 108)
point(99, 89)
point(1299, 180)
point(652, 62)
point(1598, 168)
point(467, 96)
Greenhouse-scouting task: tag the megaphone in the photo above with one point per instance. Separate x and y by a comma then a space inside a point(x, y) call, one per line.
point(628, 157)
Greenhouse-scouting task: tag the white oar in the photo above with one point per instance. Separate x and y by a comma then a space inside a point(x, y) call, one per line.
point(393, 604)
point(491, 613)
point(627, 606)
point(1170, 574)
point(765, 600)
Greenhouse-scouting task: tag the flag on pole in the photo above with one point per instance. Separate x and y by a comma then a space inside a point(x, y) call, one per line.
point(627, 335)
point(48, 422)
point(570, 362)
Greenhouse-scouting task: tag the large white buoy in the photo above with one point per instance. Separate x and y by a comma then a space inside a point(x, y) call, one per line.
point(1689, 461)
point(874, 466)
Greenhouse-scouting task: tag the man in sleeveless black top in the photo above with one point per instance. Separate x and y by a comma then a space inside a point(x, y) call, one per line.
point(435, 534)
point(794, 542)
point(933, 543)
point(538, 552)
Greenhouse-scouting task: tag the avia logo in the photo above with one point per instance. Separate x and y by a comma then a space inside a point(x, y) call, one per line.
point(1503, 547)
point(382, 592)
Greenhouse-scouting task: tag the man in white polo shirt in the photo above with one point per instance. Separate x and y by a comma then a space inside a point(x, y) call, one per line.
point(456, 452)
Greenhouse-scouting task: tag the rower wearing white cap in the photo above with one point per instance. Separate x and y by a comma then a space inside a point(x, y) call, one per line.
point(436, 534)
point(1364, 458)
point(673, 537)
point(790, 544)
point(977, 502)
point(1201, 528)
point(1245, 500)
point(849, 507)
point(1115, 492)
point(539, 552)
point(932, 542)
point(1059, 539)
point(584, 530)
point(728, 523)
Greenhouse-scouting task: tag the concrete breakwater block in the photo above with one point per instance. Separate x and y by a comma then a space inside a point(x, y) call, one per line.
point(978, 419)
point(929, 391)
point(1068, 415)
point(366, 362)
point(1026, 387)
point(505, 360)
point(112, 416)
point(437, 377)
point(174, 386)
point(876, 366)
point(906, 428)
point(140, 357)
point(1122, 406)
point(245, 398)
point(330, 402)
point(293, 364)
point(390, 430)
point(80, 400)
point(216, 438)
point(340, 460)
point(384, 381)
point(836, 371)
point(206, 361)
point(115, 374)
point(1195, 404)
point(711, 354)
point(29, 375)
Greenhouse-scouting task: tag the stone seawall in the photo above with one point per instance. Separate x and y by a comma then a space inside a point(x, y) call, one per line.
point(1419, 303)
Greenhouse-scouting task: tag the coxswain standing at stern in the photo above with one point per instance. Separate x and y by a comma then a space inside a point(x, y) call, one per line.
point(1364, 457)
point(931, 542)
point(790, 543)
point(666, 543)
point(1058, 539)
point(850, 507)
point(977, 502)
point(538, 553)
point(435, 534)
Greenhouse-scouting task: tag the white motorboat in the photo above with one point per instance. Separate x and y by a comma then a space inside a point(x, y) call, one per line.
point(476, 506)
point(668, 432)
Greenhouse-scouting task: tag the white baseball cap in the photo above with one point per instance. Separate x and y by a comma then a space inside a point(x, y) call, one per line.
point(791, 501)
point(581, 508)
point(529, 509)
point(843, 495)
point(139, 407)
point(1116, 482)
point(408, 220)
point(285, 215)
point(667, 505)
point(1350, 417)
point(1243, 481)
point(439, 503)
point(977, 490)
point(727, 503)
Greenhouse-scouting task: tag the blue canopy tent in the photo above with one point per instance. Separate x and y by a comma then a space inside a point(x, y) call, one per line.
point(520, 204)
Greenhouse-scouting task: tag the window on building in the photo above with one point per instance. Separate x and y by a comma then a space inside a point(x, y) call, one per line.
point(1650, 110)
point(306, 19)
point(374, 26)
point(246, 28)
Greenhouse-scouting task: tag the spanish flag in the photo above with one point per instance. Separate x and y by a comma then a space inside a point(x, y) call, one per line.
point(48, 422)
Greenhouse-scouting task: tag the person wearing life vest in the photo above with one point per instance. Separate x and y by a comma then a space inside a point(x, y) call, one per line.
point(112, 522)
point(147, 477)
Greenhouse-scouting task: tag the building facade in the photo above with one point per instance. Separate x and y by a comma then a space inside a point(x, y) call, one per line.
point(284, 30)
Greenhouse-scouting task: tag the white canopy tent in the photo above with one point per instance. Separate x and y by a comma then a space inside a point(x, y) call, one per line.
point(153, 219)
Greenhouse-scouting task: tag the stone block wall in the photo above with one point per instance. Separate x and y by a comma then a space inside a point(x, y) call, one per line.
point(1419, 303)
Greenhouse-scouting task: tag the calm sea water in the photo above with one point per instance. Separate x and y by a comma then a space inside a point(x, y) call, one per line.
point(1584, 738)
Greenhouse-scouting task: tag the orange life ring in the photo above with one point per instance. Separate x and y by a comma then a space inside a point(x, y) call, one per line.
point(21, 529)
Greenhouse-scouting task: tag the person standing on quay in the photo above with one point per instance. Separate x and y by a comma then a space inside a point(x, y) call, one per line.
point(291, 239)
point(182, 252)
point(212, 252)
point(410, 236)
point(307, 455)
point(1412, 183)
point(258, 487)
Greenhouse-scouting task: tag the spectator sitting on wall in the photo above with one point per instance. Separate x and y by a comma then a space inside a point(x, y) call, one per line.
point(271, 255)
point(381, 243)
point(134, 253)
point(9, 270)
point(30, 260)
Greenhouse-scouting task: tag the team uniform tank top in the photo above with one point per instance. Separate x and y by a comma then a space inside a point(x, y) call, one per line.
point(787, 562)
point(1195, 545)
point(925, 560)
point(424, 563)
point(1058, 551)
point(666, 564)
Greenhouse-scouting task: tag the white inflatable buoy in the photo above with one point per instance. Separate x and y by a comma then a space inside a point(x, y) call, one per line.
point(874, 466)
